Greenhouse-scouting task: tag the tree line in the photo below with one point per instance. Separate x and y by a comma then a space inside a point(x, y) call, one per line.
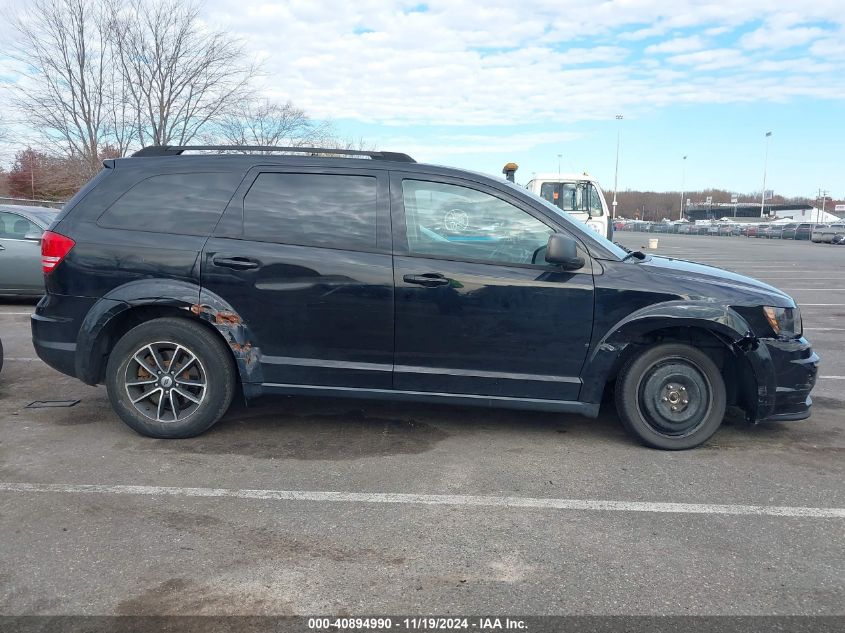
point(104, 77)
point(659, 205)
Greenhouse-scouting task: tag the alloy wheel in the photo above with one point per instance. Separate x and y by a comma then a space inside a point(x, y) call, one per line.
point(165, 381)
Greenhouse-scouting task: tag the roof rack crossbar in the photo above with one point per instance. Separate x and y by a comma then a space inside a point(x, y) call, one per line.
point(175, 150)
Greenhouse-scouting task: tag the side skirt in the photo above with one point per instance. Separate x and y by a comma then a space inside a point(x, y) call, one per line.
point(590, 410)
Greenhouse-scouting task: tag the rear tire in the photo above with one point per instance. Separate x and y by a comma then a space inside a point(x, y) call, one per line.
point(671, 396)
point(170, 378)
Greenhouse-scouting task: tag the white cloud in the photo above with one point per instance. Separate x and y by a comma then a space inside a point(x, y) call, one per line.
point(459, 144)
point(677, 45)
point(830, 48)
point(781, 37)
point(712, 59)
point(461, 62)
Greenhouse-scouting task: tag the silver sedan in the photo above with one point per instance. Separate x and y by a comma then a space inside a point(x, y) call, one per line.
point(20, 249)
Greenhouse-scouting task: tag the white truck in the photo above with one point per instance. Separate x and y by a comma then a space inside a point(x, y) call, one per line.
point(579, 195)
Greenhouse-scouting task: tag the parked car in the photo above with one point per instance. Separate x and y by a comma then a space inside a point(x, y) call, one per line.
point(839, 238)
point(20, 250)
point(1, 355)
point(684, 229)
point(281, 274)
point(787, 232)
point(756, 230)
point(828, 234)
point(816, 234)
point(804, 230)
point(772, 231)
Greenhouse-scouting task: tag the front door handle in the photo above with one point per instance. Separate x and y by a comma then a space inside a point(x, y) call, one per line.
point(238, 263)
point(429, 280)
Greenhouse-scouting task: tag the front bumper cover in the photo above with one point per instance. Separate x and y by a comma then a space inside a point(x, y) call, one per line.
point(786, 373)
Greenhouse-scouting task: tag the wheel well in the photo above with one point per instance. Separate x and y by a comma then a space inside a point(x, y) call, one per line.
point(740, 383)
point(128, 319)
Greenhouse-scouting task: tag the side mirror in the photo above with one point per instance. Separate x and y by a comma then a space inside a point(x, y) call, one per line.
point(563, 251)
point(33, 236)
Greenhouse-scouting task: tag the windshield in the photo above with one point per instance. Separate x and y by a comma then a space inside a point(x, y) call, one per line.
point(573, 197)
point(576, 227)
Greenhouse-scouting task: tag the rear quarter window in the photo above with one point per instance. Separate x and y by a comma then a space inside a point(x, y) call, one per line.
point(185, 204)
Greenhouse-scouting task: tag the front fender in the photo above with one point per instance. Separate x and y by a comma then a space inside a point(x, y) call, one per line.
point(605, 355)
point(197, 303)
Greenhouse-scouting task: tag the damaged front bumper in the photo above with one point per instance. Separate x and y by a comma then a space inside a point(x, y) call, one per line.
point(786, 373)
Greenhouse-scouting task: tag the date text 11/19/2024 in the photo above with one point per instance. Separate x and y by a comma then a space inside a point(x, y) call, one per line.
point(416, 624)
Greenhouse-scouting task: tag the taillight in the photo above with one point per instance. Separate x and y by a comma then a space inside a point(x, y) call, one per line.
point(54, 247)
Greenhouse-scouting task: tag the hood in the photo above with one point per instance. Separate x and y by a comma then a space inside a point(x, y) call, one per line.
point(737, 289)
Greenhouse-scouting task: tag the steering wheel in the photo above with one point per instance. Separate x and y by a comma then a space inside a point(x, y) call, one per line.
point(456, 220)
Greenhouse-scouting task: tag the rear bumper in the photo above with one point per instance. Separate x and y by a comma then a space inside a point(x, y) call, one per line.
point(55, 326)
point(60, 355)
point(793, 367)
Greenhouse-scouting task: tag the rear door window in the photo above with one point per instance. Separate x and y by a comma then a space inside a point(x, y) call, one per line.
point(328, 210)
point(15, 227)
point(185, 204)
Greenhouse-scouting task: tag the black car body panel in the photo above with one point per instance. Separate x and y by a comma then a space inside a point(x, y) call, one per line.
point(379, 320)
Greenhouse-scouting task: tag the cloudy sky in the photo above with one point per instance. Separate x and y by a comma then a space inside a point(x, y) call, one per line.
point(477, 84)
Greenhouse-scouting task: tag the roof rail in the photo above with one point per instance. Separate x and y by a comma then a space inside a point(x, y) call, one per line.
point(175, 150)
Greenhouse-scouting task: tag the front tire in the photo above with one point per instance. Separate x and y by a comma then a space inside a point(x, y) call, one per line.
point(671, 396)
point(170, 378)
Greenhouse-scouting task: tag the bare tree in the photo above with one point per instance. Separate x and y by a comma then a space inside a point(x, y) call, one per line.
point(180, 76)
point(265, 123)
point(65, 43)
point(359, 144)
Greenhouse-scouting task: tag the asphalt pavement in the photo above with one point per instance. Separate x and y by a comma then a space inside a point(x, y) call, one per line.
point(309, 506)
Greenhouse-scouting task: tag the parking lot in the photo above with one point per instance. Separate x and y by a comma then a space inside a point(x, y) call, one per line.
point(307, 506)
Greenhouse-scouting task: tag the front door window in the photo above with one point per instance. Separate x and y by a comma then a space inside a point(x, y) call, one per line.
point(456, 222)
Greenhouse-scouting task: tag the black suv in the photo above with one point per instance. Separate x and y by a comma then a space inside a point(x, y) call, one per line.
point(178, 279)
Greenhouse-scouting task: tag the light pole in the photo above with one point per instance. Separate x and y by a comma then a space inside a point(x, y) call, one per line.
point(683, 178)
point(616, 171)
point(559, 156)
point(765, 167)
point(823, 193)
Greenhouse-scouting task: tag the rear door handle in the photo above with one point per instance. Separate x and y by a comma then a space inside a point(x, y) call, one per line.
point(238, 263)
point(429, 280)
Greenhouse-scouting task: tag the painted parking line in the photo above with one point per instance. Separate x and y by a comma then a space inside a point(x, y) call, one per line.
point(431, 499)
point(831, 378)
point(16, 313)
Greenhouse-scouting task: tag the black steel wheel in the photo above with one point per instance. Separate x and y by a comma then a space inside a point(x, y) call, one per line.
point(671, 396)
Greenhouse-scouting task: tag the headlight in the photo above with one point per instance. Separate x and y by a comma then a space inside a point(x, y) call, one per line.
point(786, 322)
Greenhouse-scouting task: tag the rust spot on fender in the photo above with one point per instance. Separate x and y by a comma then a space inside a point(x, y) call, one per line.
point(224, 317)
point(218, 317)
point(235, 332)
